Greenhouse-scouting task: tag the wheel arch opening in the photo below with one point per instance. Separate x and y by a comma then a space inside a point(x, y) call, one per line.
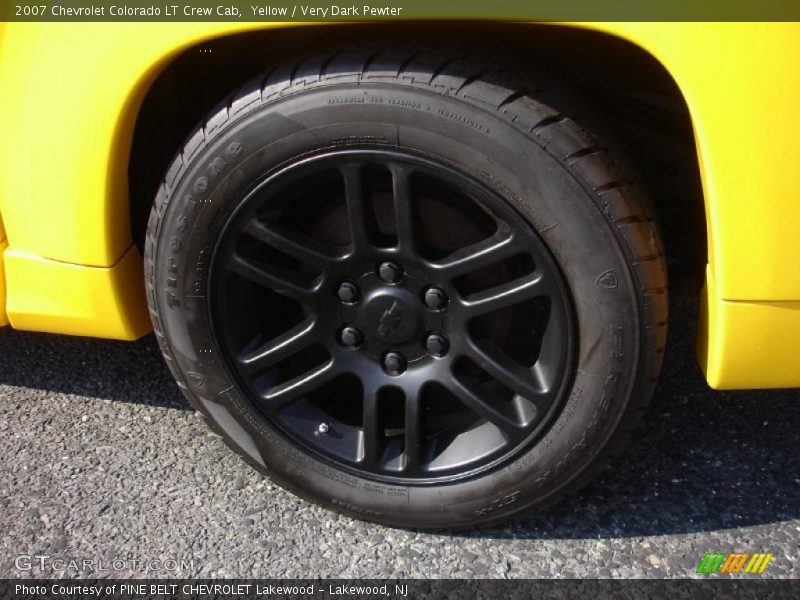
point(630, 88)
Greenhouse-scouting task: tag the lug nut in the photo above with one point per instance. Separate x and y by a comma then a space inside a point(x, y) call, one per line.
point(394, 363)
point(436, 344)
point(323, 427)
point(389, 272)
point(348, 292)
point(350, 336)
point(435, 299)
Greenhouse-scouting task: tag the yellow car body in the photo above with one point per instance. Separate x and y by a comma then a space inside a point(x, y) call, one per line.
point(69, 100)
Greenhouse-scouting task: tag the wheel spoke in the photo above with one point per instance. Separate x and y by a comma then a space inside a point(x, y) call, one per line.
point(303, 249)
point(413, 441)
point(485, 253)
point(273, 277)
point(357, 206)
point(281, 347)
point(504, 369)
point(294, 389)
point(480, 402)
point(405, 209)
point(372, 434)
point(505, 295)
point(553, 351)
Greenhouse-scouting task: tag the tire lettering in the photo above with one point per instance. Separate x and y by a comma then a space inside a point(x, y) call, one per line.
point(499, 503)
point(234, 149)
point(216, 167)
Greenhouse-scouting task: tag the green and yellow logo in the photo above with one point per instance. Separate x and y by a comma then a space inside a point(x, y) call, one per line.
point(734, 562)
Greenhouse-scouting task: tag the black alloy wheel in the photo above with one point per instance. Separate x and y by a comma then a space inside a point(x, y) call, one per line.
point(416, 288)
point(405, 277)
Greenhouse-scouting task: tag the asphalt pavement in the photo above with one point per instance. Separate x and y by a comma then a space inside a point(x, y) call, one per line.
point(102, 460)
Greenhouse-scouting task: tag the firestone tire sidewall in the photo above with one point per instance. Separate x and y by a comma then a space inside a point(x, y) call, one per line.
point(559, 206)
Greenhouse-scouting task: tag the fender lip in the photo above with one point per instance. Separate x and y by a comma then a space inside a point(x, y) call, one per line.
point(3, 246)
point(58, 297)
point(748, 344)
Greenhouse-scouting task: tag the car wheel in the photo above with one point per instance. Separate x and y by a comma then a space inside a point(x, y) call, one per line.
point(410, 286)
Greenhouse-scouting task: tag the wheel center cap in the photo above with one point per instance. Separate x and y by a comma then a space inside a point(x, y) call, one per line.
point(392, 317)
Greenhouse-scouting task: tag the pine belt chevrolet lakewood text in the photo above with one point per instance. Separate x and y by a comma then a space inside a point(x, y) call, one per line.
point(416, 273)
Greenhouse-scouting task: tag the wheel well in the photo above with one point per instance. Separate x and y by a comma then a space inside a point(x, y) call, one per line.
point(625, 84)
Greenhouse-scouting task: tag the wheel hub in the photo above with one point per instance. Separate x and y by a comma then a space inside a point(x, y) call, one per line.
point(392, 317)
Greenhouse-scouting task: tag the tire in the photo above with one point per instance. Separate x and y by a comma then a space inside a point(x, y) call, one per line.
point(534, 161)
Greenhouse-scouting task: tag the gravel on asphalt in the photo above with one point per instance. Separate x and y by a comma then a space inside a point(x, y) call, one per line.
point(102, 458)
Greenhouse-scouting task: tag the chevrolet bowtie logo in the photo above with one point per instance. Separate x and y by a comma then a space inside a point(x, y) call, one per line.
point(390, 320)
